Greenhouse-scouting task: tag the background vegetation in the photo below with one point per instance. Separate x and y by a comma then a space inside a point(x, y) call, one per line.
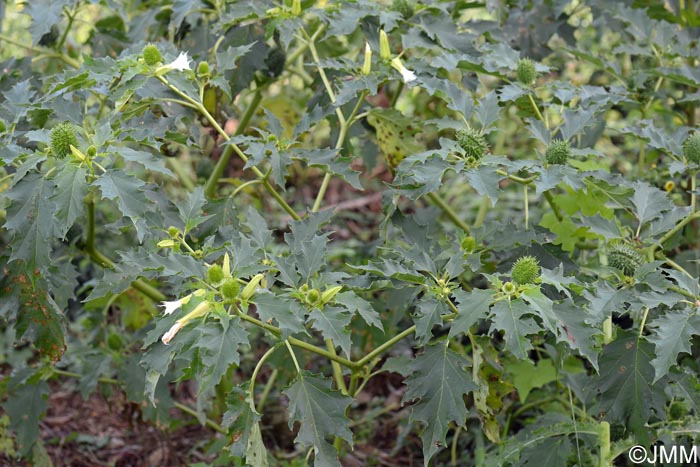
point(357, 232)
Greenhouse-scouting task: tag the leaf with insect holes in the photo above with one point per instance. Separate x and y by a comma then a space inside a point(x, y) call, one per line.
point(395, 135)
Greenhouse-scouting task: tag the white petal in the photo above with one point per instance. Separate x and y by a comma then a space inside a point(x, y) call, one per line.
point(181, 63)
point(407, 75)
point(174, 329)
point(171, 307)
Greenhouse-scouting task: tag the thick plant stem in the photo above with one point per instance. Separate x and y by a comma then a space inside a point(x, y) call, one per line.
point(342, 135)
point(143, 287)
point(258, 366)
point(212, 182)
point(205, 113)
point(449, 212)
point(555, 209)
point(337, 372)
point(483, 209)
point(385, 346)
point(604, 445)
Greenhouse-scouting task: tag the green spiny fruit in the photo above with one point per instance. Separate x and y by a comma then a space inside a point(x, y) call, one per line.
point(508, 288)
point(215, 274)
point(558, 152)
point(468, 244)
point(472, 143)
point(526, 270)
point(203, 69)
point(274, 62)
point(151, 55)
point(62, 137)
point(691, 148)
point(624, 258)
point(230, 289)
point(405, 7)
point(395, 135)
point(313, 297)
point(526, 72)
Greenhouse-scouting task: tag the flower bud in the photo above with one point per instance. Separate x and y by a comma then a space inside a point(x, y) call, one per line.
point(168, 243)
point(468, 244)
point(251, 287)
point(384, 49)
point(367, 65)
point(331, 292)
point(296, 7)
point(173, 231)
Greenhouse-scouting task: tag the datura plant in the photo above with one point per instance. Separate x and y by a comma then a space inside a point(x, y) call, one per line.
point(393, 232)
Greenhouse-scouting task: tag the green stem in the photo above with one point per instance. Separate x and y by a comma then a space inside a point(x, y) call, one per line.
point(342, 135)
point(337, 372)
point(212, 182)
point(266, 390)
point(534, 106)
point(182, 175)
point(550, 199)
point(64, 36)
point(296, 342)
point(448, 212)
point(385, 346)
point(673, 231)
point(604, 443)
point(483, 209)
point(294, 358)
point(258, 366)
point(102, 260)
point(44, 51)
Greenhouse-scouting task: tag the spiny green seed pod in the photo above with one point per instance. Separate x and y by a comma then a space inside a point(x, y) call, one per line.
point(151, 55)
point(558, 152)
point(304, 289)
point(691, 148)
point(62, 137)
point(203, 69)
point(173, 231)
point(274, 62)
point(313, 297)
point(230, 289)
point(526, 72)
point(526, 270)
point(92, 151)
point(472, 143)
point(468, 244)
point(508, 288)
point(215, 274)
point(624, 258)
point(405, 7)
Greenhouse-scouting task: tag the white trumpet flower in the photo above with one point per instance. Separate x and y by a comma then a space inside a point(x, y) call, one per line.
point(406, 74)
point(181, 63)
